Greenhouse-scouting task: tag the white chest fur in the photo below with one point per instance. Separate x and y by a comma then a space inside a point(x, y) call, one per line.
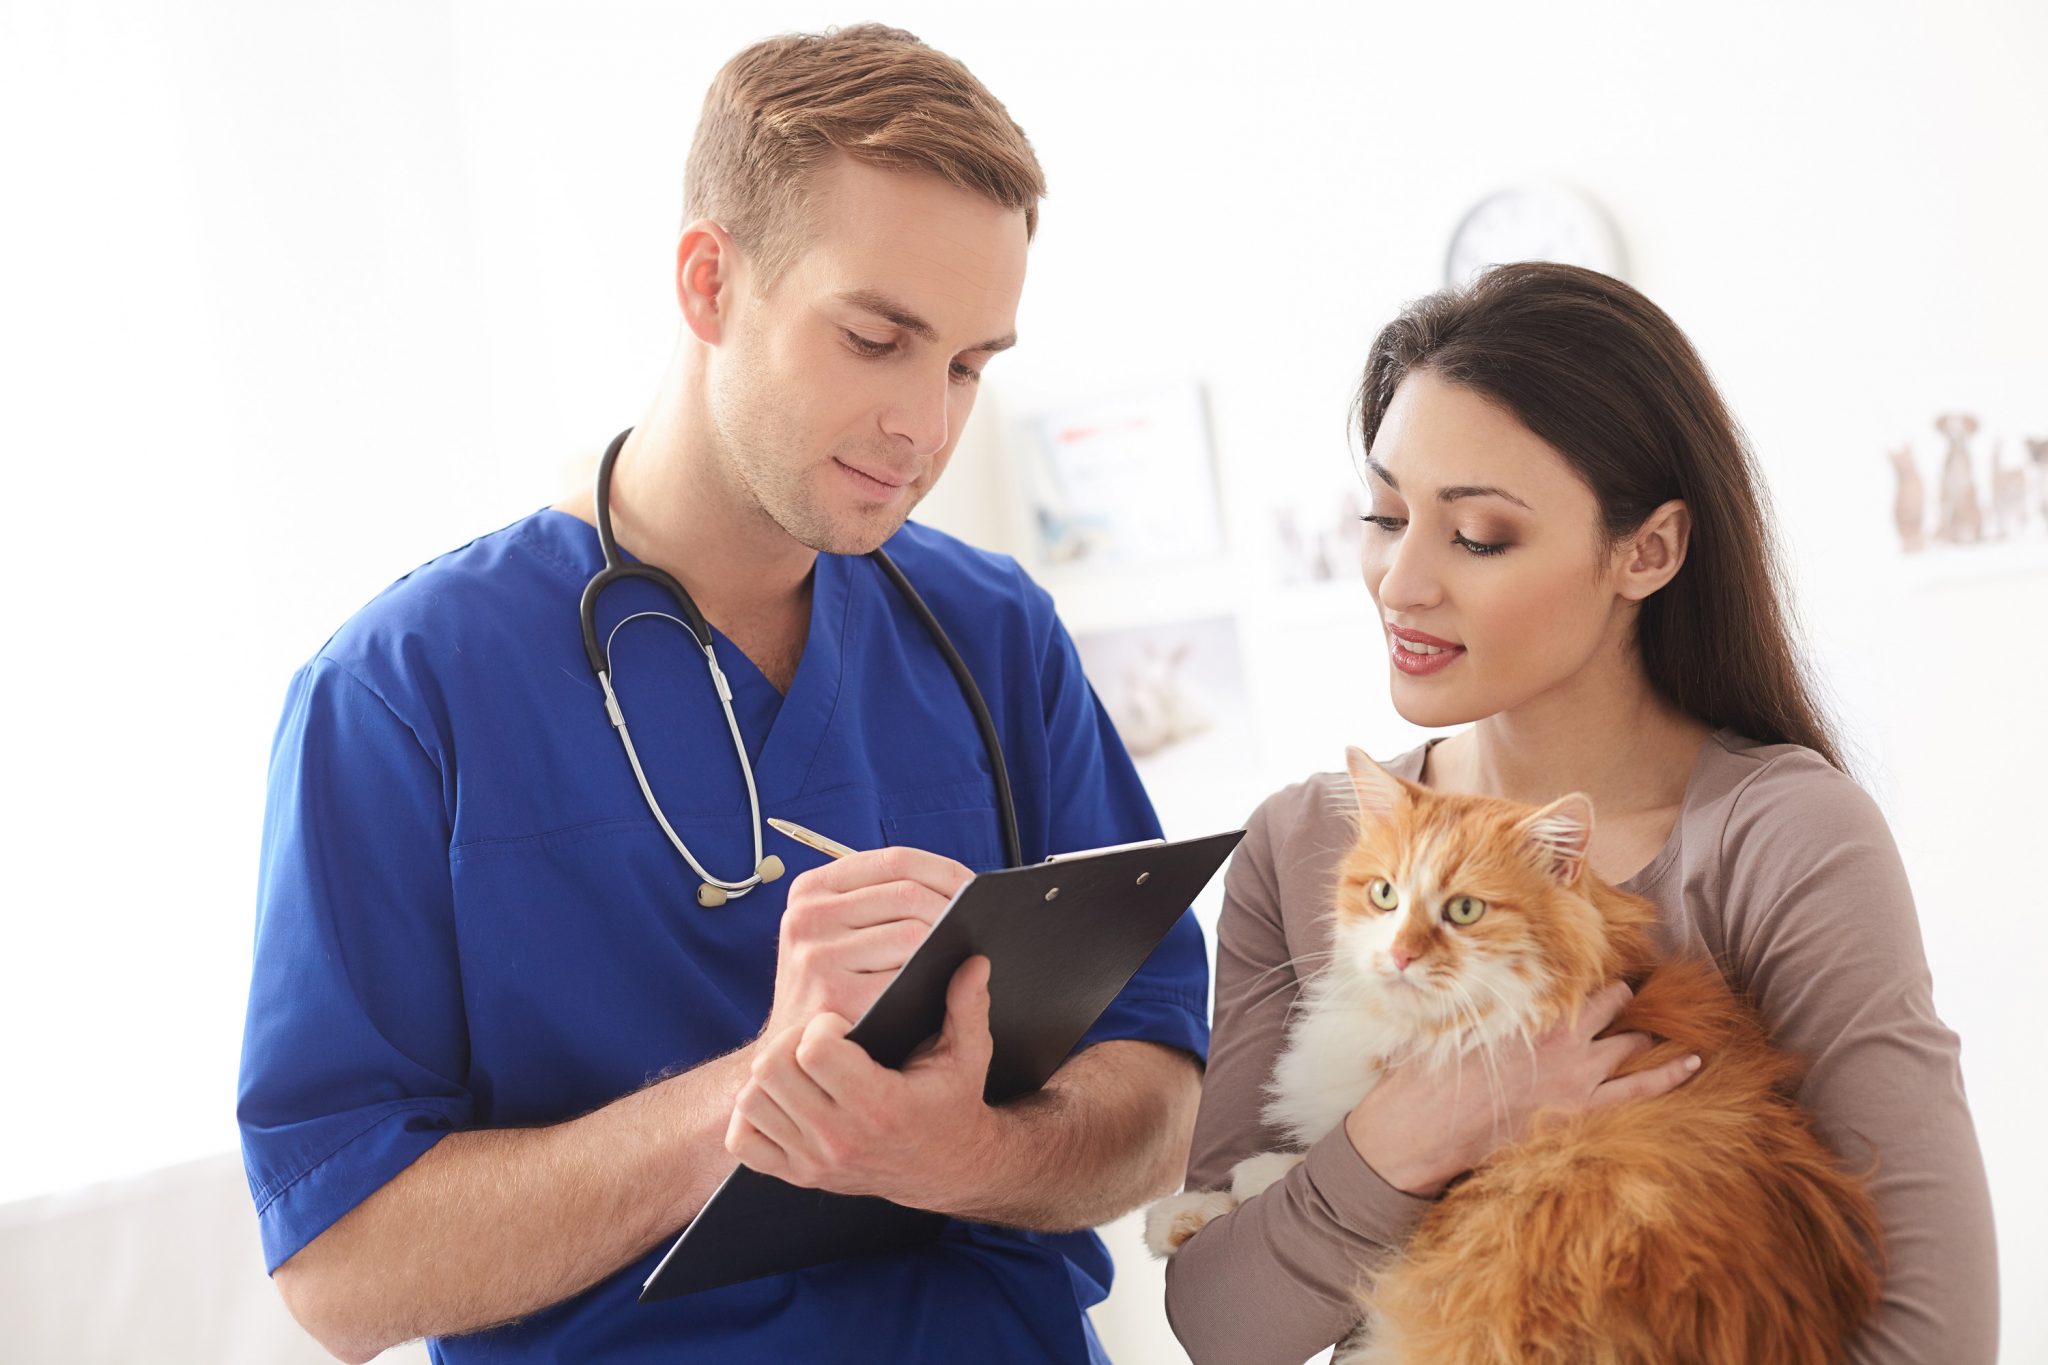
point(1335, 1052)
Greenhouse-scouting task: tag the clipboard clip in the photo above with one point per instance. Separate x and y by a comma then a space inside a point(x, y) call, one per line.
point(1112, 848)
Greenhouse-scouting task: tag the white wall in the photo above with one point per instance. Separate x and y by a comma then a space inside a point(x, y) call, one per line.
point(294, 296)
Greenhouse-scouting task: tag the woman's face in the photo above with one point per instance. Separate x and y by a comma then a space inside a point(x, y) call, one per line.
point(1485, 557)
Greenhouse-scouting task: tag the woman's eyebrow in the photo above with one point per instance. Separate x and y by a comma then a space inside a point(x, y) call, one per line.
point(1453, 493)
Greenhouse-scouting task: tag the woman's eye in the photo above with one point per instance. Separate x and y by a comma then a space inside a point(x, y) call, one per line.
point(1464, 910)
point(1383, 894)
point(867, 345)
point(1476, 548)
point(1385, 523)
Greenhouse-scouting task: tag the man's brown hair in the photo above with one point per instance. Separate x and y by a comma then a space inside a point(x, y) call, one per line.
point(783, 106)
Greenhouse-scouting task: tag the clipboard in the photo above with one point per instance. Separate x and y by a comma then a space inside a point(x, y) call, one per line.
point(1062, 938)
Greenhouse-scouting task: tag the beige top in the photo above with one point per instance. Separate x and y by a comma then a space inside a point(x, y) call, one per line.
point(1779, 867)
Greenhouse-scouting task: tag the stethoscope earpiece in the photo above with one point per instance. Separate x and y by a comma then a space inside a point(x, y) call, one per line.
point(710, 897)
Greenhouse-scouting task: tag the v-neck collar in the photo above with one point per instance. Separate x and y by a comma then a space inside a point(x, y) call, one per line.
point(795, 736)
point(798, 731)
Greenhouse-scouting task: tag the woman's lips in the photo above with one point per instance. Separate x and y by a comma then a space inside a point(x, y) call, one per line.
point(1419, 654)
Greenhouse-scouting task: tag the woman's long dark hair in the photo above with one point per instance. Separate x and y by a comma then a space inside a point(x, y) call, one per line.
point(1604, 376)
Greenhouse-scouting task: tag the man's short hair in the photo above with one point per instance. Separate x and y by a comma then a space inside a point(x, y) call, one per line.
point(783, 106)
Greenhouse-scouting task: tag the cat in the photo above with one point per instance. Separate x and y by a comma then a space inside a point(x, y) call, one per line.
point(1706, 1225)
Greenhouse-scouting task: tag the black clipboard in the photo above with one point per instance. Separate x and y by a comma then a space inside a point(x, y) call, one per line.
point(1062, 938)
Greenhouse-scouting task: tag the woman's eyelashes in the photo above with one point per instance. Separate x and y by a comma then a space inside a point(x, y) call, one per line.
point(1393, 525)
point(876, 350)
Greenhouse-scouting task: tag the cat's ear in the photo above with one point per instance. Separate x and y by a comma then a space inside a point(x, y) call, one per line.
point(1562, 831)
point(1380, 793)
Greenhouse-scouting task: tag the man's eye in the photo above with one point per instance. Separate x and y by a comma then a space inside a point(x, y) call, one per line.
point(866, 345)
point(966, 374)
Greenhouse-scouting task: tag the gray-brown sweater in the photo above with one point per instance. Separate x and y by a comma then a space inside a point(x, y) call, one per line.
point(1781, 869)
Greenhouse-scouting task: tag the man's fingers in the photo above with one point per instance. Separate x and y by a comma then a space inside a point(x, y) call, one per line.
point(863, 907)
point(881, 947)
point(752, 1149)
point(783, 1080)
point(838, 1065)
point(1643, 1085)
point(758, 1110)
point(935, 872)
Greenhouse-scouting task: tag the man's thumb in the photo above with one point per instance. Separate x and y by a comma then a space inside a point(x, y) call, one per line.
point(967, 1006)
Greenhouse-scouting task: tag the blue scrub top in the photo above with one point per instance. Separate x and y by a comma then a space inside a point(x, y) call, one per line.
point(468, 919)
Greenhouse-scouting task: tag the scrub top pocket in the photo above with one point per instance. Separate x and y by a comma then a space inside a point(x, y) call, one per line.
point(972, 835)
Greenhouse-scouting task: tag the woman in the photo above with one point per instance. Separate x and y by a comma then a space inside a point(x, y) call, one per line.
point(1569, 552)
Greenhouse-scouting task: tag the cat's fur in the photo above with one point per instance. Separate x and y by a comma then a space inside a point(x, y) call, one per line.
point(1705, 1225)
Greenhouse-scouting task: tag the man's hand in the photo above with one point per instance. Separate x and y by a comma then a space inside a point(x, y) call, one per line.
point(1421, 1127)
point(817, 1111)
point(849, 926)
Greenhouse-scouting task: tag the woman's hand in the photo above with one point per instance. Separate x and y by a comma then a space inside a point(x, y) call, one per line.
point(1420, 1128)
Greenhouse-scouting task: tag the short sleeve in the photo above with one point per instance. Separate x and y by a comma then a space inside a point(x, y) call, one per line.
point(1099, 800)
point(355, 1052)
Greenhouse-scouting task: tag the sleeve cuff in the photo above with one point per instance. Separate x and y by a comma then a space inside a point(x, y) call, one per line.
point(318, 1197)
point(1144, 1016)
point(1357, 1196)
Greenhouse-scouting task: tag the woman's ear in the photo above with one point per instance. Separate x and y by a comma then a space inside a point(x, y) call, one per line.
point(705, 261)
point(1652, 556)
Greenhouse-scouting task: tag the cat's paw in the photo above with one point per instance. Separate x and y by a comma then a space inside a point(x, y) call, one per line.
point(1174, 1219)
point(1255, 1174)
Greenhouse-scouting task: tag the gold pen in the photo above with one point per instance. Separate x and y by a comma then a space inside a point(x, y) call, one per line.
point(831, 848)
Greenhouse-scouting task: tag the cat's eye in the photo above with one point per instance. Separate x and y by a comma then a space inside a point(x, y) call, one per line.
point(1464, 909)
point(1383, 894)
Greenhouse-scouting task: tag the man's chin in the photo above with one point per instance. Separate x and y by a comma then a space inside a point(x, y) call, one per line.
point(848, 535)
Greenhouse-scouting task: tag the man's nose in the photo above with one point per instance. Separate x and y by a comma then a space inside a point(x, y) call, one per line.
point(920, 415)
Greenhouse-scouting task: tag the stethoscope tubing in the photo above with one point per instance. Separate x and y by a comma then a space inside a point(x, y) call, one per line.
point(692, 620)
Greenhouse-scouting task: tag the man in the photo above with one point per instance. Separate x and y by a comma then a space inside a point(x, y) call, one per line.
point(497, 1052)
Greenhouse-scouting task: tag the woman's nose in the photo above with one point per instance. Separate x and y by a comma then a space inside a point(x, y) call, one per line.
point(1410, 582)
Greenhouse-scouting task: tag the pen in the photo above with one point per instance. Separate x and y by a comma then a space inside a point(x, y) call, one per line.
point(831, 848)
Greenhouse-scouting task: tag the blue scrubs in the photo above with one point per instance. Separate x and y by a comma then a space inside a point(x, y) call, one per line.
point(468, 919)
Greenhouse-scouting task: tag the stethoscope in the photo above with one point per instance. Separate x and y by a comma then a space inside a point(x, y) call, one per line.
point(712, 890)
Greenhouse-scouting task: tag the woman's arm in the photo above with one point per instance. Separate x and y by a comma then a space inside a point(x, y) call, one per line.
point(1272, 1281)
point(1822, 933)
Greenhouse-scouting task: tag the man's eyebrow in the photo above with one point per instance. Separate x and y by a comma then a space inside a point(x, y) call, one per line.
point(882, 306)
point(1453, 493)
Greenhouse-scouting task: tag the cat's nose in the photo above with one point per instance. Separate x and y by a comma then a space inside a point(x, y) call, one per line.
point(1402, 957)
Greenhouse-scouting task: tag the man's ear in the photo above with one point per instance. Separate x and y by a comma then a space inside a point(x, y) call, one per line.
point(1654, 553)
point(706, 260)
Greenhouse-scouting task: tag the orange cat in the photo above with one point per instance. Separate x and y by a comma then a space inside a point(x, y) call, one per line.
point(1706, 1225)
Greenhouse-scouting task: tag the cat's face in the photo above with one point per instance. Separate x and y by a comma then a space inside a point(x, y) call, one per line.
point(1465, 912)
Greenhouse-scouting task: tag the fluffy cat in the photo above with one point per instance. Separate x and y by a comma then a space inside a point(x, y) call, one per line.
point(1706, 1225)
